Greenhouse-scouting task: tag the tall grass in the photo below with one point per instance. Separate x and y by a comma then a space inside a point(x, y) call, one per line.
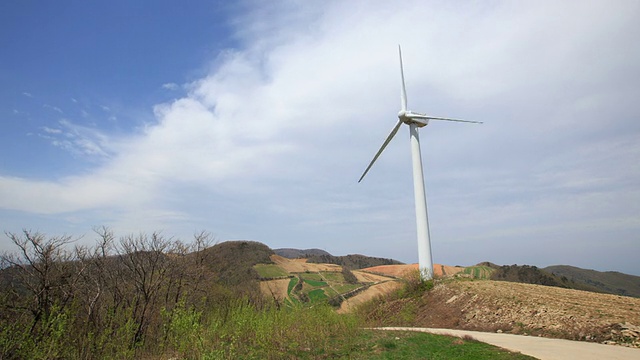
point(239, 329)
point(244, 330)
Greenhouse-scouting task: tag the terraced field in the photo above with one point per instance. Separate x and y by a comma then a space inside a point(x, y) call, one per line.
point(478, 272)
point(293, 281)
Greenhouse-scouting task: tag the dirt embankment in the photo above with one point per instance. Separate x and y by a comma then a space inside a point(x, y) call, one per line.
point(373, 291)
point(523, 309)
point(403, 270)
point(301, 265)
point(276, 289)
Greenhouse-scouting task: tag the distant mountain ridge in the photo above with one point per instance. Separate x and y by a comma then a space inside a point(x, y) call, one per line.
point(612, 282)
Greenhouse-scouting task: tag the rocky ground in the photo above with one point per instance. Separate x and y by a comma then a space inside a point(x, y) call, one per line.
point(531, 309)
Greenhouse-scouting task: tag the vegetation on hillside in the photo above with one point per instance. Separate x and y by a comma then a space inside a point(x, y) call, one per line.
point(611, 282)
point(533, 275)
point(122, 297)
point(479, 271)
point(352, 261)
point(299, 253)
point(233, 261)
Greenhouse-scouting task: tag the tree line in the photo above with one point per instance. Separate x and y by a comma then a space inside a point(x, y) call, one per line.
point(107, 300)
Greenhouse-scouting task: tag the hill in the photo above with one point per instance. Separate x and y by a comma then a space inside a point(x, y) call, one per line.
point(533, 275)
point(297, 253)
point(486, 305)
point(610, 281)
point(232, 261)
point(355, 261)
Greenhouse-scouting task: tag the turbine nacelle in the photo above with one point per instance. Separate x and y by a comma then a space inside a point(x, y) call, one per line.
point(410, 117)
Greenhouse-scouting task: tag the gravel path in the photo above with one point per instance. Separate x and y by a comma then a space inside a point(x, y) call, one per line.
point(539, 347)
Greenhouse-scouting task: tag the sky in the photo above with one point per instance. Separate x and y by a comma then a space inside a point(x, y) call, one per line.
point(253, 120)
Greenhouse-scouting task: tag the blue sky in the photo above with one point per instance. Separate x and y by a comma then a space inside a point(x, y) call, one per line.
point(255, 120)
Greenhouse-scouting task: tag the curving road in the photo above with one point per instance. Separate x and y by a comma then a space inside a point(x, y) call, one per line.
point(539, 347)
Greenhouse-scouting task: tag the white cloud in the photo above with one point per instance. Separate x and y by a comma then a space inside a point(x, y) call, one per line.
point(79, 140)
point(170, 86)
point(51, 131)
point(270, 144)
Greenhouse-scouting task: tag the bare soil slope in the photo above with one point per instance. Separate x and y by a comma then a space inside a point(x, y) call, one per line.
point(373, 291)
point(520, 308)
point(276, 289)
point(301, 265)
point(402, 270)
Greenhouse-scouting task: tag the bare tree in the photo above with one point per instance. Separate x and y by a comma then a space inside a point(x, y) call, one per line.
point(146, 265)
point(43, 272)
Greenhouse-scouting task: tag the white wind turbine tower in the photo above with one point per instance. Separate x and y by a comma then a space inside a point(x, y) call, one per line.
point(415, 120)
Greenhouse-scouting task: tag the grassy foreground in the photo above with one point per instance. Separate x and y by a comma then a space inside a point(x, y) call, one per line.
point(243, 331)
point(317, 332)
point(377, 344)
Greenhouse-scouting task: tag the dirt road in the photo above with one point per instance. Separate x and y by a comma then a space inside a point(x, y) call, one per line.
point(539, 347)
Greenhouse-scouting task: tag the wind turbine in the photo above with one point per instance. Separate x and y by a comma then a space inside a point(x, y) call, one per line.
point(415, 120)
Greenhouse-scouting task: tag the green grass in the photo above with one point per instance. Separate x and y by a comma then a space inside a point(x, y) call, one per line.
point(345, 288)
point(408, 345)
point(292, 284)
point(333, 276)
point(317, 332)
point(317, 295)
point(315, 283)
point(270, 271)
point(330, 292)
point(479, 272)
point(311, 276)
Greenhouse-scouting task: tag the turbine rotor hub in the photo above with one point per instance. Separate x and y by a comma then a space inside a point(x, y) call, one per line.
point(409, 117)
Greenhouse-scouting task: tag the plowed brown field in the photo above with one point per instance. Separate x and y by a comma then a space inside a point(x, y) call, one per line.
point(373, 291)
point(403, 270)
point(301, 265)
point(275, 288)
point(487, 305)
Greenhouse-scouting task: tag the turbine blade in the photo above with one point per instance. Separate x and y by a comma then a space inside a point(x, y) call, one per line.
point(403, 91)
point(413, 115)
point(456, 120)
point(384, 145)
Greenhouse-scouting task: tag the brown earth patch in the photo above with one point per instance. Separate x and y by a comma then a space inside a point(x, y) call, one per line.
point(275, 288)
point(301, 265)
point(520, 308)
point(370, 293)
point(366, 277)
point(402, 270)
